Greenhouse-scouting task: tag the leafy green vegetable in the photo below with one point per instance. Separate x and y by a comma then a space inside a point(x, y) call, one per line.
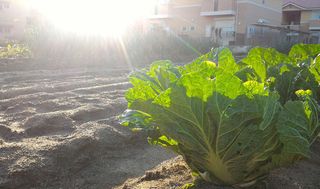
point(232, 124)
point(285, 74)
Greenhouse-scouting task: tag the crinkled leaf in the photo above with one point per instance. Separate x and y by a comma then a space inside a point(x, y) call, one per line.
point(260, 59)
point(198, 79)
point(296, 128)
point(228, 85)
point(315, 68)
point(302, 52)
point(254, 88)
point(164, 73)
point(147, 85)
point(289, 78)
point(226, 61)
point(136, 119)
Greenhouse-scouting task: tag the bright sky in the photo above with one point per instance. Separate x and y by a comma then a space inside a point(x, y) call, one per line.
point(105, 17)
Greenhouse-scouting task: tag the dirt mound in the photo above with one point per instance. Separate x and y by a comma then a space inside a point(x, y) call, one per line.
point(174, 173)
point(94, 156)
point(59, 130)
point(90, 112)
point(47, 124)
point(6, 133)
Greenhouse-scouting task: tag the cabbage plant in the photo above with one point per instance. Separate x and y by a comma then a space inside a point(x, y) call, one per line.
point(233, 122)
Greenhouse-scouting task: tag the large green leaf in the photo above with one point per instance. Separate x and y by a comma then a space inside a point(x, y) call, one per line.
point(302, 52)
point(148, 85)
point(315, 68)
point(226, 61)
point(289, 78)
point(293, 126)
point(260, 59)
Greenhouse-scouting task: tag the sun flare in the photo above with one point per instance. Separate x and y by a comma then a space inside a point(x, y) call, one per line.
point(103, 17)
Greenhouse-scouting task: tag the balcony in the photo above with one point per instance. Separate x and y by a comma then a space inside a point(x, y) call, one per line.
point(218, 13)
point(159, 16)
point(161, 10)
point(314, 25)
point(295, 27)
point(218, 8)
point(291, 18)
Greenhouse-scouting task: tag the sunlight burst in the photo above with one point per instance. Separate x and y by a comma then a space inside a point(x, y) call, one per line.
point(103, 17)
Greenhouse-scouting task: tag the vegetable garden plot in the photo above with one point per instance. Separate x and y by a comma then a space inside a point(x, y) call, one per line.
point(232, 122)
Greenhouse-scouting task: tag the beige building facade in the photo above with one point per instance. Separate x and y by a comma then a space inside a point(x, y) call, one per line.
point(303, 16)
point(14, 17)
point(223, 21)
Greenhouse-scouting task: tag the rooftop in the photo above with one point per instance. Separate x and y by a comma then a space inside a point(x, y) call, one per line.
point(305, 4)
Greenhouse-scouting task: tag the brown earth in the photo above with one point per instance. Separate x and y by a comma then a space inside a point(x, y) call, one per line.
point(59, 129)
point(174, 173)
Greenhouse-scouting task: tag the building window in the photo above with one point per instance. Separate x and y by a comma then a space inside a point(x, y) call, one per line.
point(184, 28)
point(156, 10)
point(5, 29)
point(192, 28)
point(4, 5)
point(29, 21)
point(215, 5)
point(228, 32)
point(315, 15)
point(252, 30)
point(208, 31)
point(155, 27)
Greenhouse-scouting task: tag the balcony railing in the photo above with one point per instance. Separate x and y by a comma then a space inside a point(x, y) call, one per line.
point(302, 28)
point(293, 27)
point(314, 25)
point(218, 13)
point(159, 16)
point(292, 22)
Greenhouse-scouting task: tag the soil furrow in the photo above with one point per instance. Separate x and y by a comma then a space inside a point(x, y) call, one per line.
point(59, 130)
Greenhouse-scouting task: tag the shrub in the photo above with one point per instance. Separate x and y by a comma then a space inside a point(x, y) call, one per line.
point(135, 48)
point(232, 122)
point(15, 51)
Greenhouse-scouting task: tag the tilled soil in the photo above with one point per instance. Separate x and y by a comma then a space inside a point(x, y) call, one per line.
point(174, 173)
point(58, 129)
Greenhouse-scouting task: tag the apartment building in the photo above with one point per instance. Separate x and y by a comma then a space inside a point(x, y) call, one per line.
point(223, 21)
point(14, 17)
point(303, 17)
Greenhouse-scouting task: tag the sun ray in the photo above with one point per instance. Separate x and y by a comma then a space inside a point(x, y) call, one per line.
point(125, 53)
point(100, 17)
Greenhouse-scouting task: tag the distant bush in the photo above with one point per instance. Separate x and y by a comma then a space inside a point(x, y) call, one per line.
point(283, 45)
point(15, 51)
point(152, 46)
point(134, 48)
